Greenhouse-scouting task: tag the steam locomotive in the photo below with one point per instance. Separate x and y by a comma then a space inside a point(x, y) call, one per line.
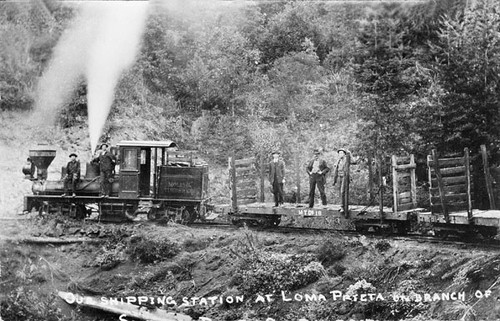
point(152, 179)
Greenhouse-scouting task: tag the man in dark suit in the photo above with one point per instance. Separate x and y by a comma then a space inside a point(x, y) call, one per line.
point(317, 169)
point(107, 162)
point(338, 175)
point(277, 177)
point(72, 175)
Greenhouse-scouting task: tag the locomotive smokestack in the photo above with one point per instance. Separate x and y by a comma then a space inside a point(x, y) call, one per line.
point(42, 158)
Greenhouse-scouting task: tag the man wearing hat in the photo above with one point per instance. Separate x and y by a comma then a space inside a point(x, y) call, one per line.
point(107, 162)
point(317, 169)
point(277, 177)
point(72, 175)
point(338, 175)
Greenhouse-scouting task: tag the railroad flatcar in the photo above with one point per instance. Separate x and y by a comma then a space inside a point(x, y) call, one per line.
point(450, 209)
point(152, 178)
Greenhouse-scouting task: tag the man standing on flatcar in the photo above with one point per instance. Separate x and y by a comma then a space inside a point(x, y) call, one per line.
point(317, 169)
point(277, 177)
point(107, 162)
point(338, 175)
point(72, 175)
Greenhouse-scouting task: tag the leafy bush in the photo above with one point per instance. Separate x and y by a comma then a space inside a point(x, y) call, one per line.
point(196, 244)
point(109, 257)
point(183, 266)
point(336, 269)
point(29, 306)
point(363, 271)
point(382, 246)
point(113, 252)
point(159, 279)
point(330, 251)
point(271, 273)
point(150, 250)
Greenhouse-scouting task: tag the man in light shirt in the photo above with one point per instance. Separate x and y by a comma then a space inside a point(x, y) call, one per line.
point(338, 175)
point(317, 169)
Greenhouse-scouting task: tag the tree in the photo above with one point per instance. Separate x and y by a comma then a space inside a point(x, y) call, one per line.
point(468, 55)
point(390, 78)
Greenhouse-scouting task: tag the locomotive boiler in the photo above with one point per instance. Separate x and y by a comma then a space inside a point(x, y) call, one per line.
point(36, 170)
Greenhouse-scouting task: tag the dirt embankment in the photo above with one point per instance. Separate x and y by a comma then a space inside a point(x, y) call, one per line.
point(245, 275)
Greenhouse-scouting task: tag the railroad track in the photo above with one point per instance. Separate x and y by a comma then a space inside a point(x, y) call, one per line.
point(491, 244)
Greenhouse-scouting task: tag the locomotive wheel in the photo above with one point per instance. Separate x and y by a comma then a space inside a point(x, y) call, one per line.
point(152, 214)
point(44, 209)
point(187, 216)
point(130, 212)
point(202, 212)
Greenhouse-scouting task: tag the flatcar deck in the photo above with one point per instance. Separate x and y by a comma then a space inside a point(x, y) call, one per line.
point(303, 210)
point(479, 217)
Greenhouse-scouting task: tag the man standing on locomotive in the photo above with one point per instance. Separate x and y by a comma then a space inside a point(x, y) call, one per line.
point(107, 162)
point(277, 177)
point(72, 175)
point(317, 169)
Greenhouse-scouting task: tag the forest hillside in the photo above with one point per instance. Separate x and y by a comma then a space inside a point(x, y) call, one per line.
point(378, 79)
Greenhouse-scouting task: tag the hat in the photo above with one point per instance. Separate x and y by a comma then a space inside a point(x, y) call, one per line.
point(107, 145)
point(317, 151)
point(341, 150)
point(73, 154)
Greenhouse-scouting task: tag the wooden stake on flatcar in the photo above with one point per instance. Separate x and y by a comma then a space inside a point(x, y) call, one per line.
point(370, 178)
point(413, 181)
point(262, 172)
point(439, 179)
point(345, 185)
point(297, 177)
point(381, 189)
point(395, 185)
point(467, 175)
point(155, 172)
point(232, 183)
point(488, 179)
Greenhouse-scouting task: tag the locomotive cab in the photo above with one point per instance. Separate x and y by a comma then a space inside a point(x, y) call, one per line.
point(164, 179)
point(139, 163)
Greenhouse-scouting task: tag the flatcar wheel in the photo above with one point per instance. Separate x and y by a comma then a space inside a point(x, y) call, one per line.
point(361, 229)
point(237, 222)
point(272, 222)
point(81, 212)
point(402, 229)
point(488, 233)
point(442, 233)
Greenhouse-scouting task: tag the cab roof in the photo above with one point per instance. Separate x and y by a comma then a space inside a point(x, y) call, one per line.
point(148, 143)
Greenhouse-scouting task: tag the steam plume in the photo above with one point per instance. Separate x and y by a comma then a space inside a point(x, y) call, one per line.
point(101, 44)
